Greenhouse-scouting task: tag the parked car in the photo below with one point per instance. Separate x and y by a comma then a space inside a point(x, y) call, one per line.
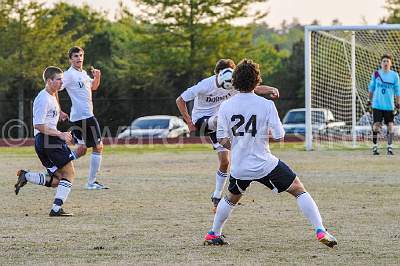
point(157, 126)
point(322, 122)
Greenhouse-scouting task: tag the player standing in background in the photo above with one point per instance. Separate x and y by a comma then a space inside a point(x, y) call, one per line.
point(208, 96)
point(50, 144)
point(384, 90)
point(86, 129)
point(243, 125)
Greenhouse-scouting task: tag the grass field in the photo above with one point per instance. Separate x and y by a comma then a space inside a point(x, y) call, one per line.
point(158, 210)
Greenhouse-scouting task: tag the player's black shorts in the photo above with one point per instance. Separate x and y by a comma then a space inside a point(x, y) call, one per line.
point(379, 115)
point(278, 180)
point(202, 127)
point(87, 131)
point(52, 151)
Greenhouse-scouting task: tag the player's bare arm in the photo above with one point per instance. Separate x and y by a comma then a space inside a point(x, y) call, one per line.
point(225, 142)
point(267, 90)
point(54, 132)
point(96, 78)
point(181, 104)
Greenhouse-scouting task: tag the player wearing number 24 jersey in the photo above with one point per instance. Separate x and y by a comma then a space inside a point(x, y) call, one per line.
point(243, 126)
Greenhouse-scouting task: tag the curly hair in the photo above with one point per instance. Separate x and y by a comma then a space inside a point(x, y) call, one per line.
point(222, 64)
point(246, 75)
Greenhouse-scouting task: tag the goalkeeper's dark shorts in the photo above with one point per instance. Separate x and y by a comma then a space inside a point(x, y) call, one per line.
point(385, 115)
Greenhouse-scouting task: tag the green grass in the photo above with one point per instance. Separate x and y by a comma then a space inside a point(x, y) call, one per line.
point(179, 148)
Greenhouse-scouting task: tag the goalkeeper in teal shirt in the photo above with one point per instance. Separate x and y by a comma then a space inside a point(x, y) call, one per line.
point(384, 96)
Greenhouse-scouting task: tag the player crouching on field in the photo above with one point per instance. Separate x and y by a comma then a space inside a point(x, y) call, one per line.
point(50, 144)
point(243, 124)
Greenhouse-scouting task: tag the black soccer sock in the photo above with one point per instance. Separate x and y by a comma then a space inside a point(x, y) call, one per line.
point(390, 138)
point(375, 137)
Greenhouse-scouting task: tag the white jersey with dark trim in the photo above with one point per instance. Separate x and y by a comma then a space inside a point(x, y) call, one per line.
point(246, 119)
point(79, 88)
point(46, 110)
point(207, 97)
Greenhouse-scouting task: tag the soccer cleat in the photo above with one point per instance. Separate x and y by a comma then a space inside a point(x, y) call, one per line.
point(215, 202)
point(21, 181)
point(212, 239)
point(375, 151)
point(390, 151)
point(325, 238)
point(60, 213)
point(95, 186)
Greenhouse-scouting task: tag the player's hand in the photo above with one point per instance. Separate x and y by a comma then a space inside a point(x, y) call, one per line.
point(64, 116)
point(66, 136)
point(369, 103)
point(192, 127)
point(95, 72)
point(274, 93)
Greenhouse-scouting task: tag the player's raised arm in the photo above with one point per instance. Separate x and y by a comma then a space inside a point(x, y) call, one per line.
point(267, 90)
point(96, 78)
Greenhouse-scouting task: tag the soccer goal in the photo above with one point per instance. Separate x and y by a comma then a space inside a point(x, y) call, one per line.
point(339, 62)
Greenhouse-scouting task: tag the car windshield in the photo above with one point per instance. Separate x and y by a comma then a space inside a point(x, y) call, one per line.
point(150, 124)
point(298, 117)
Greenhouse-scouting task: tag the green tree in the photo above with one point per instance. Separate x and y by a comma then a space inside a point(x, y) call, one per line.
point(184, 39)
point(289, 78)
point(32, 38)
point(393, 7)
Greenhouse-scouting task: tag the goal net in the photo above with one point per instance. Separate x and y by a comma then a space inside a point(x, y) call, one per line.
point(339, 62)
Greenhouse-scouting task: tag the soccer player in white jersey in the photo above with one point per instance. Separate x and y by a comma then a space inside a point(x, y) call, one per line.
point(243, 125)
point(208, 96)
point(50, 144)
point(86, 129)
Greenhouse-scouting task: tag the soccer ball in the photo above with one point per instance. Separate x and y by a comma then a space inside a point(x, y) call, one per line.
point(224, 78)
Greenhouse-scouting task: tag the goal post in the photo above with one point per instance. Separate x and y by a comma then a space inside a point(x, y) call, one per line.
point(339, 61)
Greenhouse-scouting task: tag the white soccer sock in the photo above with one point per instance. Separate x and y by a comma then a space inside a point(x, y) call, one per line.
point(36, 178)
point(63, 189)
point(220, 179)
point(224, 209)
point(95, 162)
point(310, 210)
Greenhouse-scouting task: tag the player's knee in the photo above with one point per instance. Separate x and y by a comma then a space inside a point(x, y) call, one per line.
point(233, 198)
point(98, 148)
point(376, 127)
point(296, 188)
point(390, 128)
point(55, 179)
point(81, 150)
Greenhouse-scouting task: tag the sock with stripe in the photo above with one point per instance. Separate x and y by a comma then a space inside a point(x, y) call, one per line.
point(36, 178)
point(63, 189)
